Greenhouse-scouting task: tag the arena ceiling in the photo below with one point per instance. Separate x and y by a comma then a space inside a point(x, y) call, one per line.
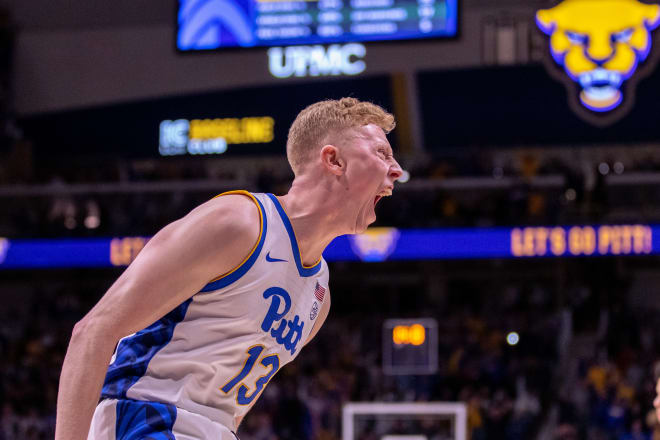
point(71, 14)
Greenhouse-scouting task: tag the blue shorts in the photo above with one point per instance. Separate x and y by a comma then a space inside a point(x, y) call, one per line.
point(127, 419)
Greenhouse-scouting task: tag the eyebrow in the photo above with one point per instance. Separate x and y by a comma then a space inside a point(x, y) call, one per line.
point(386, 147)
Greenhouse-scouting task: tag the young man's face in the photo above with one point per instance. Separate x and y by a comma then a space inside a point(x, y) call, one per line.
point(371, 171)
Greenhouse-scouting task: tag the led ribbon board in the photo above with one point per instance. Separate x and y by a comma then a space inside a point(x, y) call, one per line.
point(217, 24)
point(379, 244)
point(211, 136)
point(599, 46)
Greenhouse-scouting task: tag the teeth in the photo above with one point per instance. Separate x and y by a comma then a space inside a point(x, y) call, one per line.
point(585, 80)
point(601, 75)
point(588, 78)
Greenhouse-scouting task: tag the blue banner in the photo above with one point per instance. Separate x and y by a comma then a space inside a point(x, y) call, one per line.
point(377, 244)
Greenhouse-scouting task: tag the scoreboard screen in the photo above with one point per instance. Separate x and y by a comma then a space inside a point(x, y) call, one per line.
point(410, 346)
point(217, 24)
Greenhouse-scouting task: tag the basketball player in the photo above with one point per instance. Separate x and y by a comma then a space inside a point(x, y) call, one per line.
point(221, 299)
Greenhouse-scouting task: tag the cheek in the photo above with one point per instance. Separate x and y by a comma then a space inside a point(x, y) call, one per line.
point(640, 39)
point(624, 59)
point(576, 62)
point(361, 181)
point(369, 171)
point(382, 167)
point(559, 42)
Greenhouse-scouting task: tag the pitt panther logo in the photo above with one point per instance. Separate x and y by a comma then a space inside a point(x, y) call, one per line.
point(375, 244)
point(286, 333)
point(599, 44)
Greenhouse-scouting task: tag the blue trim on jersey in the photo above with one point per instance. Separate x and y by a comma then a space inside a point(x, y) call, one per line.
point(138, 420)
point(135, 352)
point(302, 270)
point(243, 268)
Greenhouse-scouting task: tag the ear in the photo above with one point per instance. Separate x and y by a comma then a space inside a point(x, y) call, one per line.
point(546, 21)
point(652, 15)
point(331, 160)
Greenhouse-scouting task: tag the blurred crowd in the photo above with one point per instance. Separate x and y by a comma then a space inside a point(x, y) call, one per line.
point(35, 325)
point(107, 199)
point(610, 397)
point(509, 389)
point(503, 386)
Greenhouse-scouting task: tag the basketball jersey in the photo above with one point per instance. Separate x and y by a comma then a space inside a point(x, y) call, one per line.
point(214, 354)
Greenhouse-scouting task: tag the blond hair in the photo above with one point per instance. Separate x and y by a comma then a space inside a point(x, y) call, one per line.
point(317, 122)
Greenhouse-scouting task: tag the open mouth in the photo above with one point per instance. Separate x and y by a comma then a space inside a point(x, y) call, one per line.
point(384, 193)
point(600, 89)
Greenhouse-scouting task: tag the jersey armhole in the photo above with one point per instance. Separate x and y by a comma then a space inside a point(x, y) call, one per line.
point(240, 270)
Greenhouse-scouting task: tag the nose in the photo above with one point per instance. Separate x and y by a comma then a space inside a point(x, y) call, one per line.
point(395, 170)
point(600, 50)
point(656, 402)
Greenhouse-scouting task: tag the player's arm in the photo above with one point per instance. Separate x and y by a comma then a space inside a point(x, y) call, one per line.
point(323, 314)
point(174, 265)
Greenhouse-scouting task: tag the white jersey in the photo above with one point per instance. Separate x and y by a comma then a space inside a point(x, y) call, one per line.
point(214, 354)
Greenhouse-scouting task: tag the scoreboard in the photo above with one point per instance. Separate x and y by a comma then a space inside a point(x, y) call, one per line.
point(215, 24)
point(410, 346)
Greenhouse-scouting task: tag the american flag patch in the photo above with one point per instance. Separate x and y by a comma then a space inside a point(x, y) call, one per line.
point(319, 292)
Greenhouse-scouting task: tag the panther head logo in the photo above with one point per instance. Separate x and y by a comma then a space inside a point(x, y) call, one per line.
point(599, 43)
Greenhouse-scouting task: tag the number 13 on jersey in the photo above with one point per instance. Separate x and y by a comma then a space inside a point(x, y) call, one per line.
point(271, 364)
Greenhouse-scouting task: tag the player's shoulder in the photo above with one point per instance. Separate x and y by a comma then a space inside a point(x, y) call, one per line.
point(228, 214)
point(235, 204)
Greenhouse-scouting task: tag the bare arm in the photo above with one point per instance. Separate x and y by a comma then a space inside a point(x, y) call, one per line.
point(173, 266)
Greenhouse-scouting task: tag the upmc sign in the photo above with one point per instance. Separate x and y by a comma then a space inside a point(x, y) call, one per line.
point(301, 61)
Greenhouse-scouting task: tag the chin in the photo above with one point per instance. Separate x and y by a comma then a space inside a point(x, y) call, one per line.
point(363, 221)
point(361, 227)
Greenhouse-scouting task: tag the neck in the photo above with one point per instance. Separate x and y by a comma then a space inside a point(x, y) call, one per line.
point(314, 210)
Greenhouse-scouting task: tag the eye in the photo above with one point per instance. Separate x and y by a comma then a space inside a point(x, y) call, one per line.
point(576, 38)
point(623, 36)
